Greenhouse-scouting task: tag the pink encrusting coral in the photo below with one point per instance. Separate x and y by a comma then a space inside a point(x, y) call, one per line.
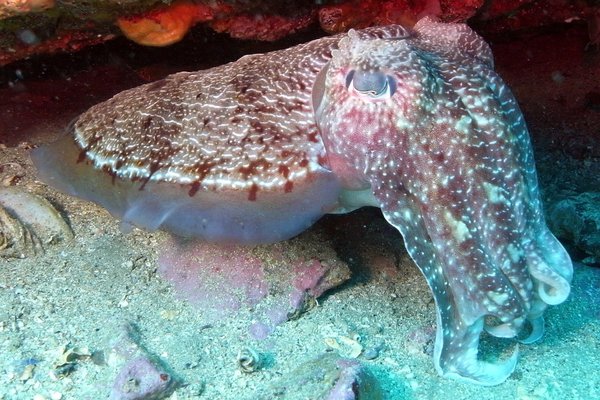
point(218, 279)
point(307, 281)
point(276, 282)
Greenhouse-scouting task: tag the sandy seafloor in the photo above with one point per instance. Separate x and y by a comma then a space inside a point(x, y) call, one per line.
point(86, 292)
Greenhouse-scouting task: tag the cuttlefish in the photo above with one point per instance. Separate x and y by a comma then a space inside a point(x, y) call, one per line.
point(414, 121)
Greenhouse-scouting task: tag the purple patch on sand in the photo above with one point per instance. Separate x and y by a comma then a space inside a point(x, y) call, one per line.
point(307, 278)
point(219, 279)
point(273, 283)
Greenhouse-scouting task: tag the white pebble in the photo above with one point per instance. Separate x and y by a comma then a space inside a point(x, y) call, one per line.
point(56, 395)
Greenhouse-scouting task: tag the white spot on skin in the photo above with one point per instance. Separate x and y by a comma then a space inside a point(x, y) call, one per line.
point(496, 194)
point(459, 229)
point(514, 253)
point(498, 298)
point(463, 125)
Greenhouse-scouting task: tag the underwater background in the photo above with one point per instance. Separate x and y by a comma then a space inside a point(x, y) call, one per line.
point(90, 309)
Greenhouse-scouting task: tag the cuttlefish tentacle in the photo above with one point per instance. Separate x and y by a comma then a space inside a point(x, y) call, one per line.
point(459, 320)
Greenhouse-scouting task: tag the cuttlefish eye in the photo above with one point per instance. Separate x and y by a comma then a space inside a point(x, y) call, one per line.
point(374, 84)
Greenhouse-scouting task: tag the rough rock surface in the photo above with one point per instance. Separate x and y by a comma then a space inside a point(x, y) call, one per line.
point(277, 282)
point(577, 219)
point(29, 27)
point(327, 377)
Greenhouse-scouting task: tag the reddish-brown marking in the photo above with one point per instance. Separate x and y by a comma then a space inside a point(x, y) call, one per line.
point(253, 168)
point(82, 156)
point(154, 166)
point(194, 187)
point(289, 186)
point(288, 107)
point(257, 126)
point(283, 170)
point(252, 192)
point(113, 175)
point(83, 153)
point(203, 169)
point(146, 123)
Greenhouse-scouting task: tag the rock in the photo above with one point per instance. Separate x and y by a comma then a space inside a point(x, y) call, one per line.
point(278, 282)
point(328, 377)
point(30, 27)
point(216, 279)
point(28, 224)
point(143, 376)
point(262, 27)
point(9, 8)
point(577, 219)
point(142, 379)
point(513, 15)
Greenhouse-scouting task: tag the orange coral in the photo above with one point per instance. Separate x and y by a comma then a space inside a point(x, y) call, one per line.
point(165, 25)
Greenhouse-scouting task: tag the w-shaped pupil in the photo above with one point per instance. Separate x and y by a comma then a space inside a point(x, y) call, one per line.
point(373, 83)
